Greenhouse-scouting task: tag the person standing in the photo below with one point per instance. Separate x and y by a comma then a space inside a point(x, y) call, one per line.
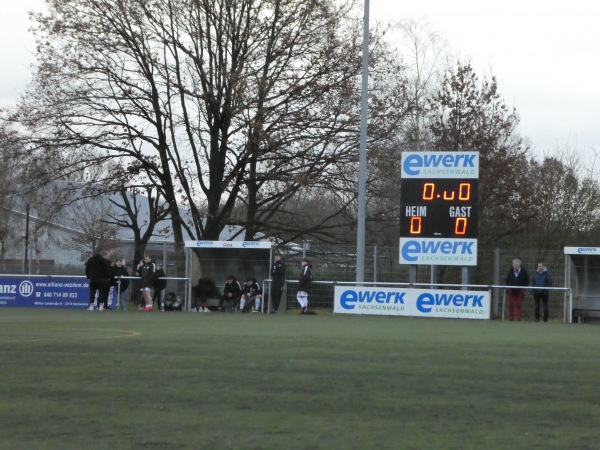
point(516, 276)
point(98, 273)
point(304, 284)
point(146, 270)
point(121, 284)
point(541, 279)
point(160, 284)
point(277, 280)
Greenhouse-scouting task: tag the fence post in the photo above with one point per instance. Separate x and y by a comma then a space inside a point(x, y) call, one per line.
point(495, 296)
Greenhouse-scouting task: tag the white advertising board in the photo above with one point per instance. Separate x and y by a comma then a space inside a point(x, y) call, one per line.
point(436, 251)
point(228, 244)
point(582, 250)
point(463, 165)
point(454, 304)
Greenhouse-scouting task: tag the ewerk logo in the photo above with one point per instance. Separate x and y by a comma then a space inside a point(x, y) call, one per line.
point(592, 250)
point(250, 244)
point(26, 288)
point(204, 243)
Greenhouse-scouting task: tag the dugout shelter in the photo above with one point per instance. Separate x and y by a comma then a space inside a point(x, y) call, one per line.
point(582, 276)
point(216, 260)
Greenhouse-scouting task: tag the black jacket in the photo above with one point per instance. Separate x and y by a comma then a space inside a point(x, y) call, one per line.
point(146, 273)
point(252, 290)
point(522, 279)
point(305, 281)
point(232, 288)
point(159, 285)
point(278, 271)
point(97, 269)
point(120, 272)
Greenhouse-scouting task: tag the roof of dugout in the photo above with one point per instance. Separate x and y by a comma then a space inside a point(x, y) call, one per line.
point(216, 260)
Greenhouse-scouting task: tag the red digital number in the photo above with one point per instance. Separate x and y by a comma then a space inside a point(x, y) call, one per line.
point(460, 226)
point(415, 225)
point(428, 189)
point(464, 191)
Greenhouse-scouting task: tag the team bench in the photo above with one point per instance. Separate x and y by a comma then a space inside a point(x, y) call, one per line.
point(582, 314)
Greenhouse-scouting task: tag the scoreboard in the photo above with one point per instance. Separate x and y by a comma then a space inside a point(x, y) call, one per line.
point(439, 194)
point(439, 208)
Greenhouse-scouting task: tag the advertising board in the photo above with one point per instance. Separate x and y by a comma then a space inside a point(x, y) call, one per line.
point(456, 304)
point(46, 292)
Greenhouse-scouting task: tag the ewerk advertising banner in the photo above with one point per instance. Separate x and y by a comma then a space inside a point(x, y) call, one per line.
point(55, 292)
point(412, 302)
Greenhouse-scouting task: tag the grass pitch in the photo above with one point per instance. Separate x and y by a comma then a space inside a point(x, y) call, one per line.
point(75, 379)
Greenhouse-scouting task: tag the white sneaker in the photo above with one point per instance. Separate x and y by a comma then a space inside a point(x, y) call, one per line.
point(207, 310)
point(101, 308)
point(90, 308)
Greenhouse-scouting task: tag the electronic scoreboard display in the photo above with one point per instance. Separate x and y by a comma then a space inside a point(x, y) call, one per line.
point(439, 208)
point(439, 195)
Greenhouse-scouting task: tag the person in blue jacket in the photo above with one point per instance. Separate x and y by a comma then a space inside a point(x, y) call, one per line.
point(541, 279)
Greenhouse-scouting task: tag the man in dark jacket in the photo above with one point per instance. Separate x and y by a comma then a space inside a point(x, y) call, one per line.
point(516, 276)
point(277, 280)
point(121, 284)
point(145, 270)
point(98, 273)
point(541, 279)
point(304, 284)
point(231, 292)
point(251, 295)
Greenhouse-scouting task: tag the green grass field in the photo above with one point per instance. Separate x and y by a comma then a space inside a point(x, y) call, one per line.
point(75, 379)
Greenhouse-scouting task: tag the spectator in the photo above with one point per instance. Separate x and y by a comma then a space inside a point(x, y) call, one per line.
point(159, 286)
point(541, 279)
point(145, 270)
point(98, 273)
point(202, 292)
point(516, 276)
point(304, 285)
point(121, 284)
point(231, 292)
point(251, 295)
point(277, 280)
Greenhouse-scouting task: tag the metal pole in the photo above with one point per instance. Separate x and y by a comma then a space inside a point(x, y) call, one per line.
point(362, 160)
point(26, 257)
point(496, 281)
point(375, 258)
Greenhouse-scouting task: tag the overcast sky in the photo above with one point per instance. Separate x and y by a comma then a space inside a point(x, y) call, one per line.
point(545, 55)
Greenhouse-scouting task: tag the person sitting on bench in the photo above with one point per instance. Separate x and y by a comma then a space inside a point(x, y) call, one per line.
point(231, 292)
point(251, 295)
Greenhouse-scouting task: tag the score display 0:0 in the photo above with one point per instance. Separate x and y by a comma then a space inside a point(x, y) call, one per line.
point(464, 193)
point(460, 225)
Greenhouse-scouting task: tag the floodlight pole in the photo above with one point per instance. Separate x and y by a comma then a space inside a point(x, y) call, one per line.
point(362, 160)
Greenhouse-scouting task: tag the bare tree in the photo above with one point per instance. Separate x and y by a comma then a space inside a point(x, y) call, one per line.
point(88, 219)
point(219, 105)
point(568, 207)
point(469, 114)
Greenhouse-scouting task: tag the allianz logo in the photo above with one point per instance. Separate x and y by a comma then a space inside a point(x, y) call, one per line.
point(8, 289)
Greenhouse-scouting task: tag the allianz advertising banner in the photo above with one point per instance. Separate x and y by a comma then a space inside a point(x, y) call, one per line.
point(412, 302)
point(55, 292)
